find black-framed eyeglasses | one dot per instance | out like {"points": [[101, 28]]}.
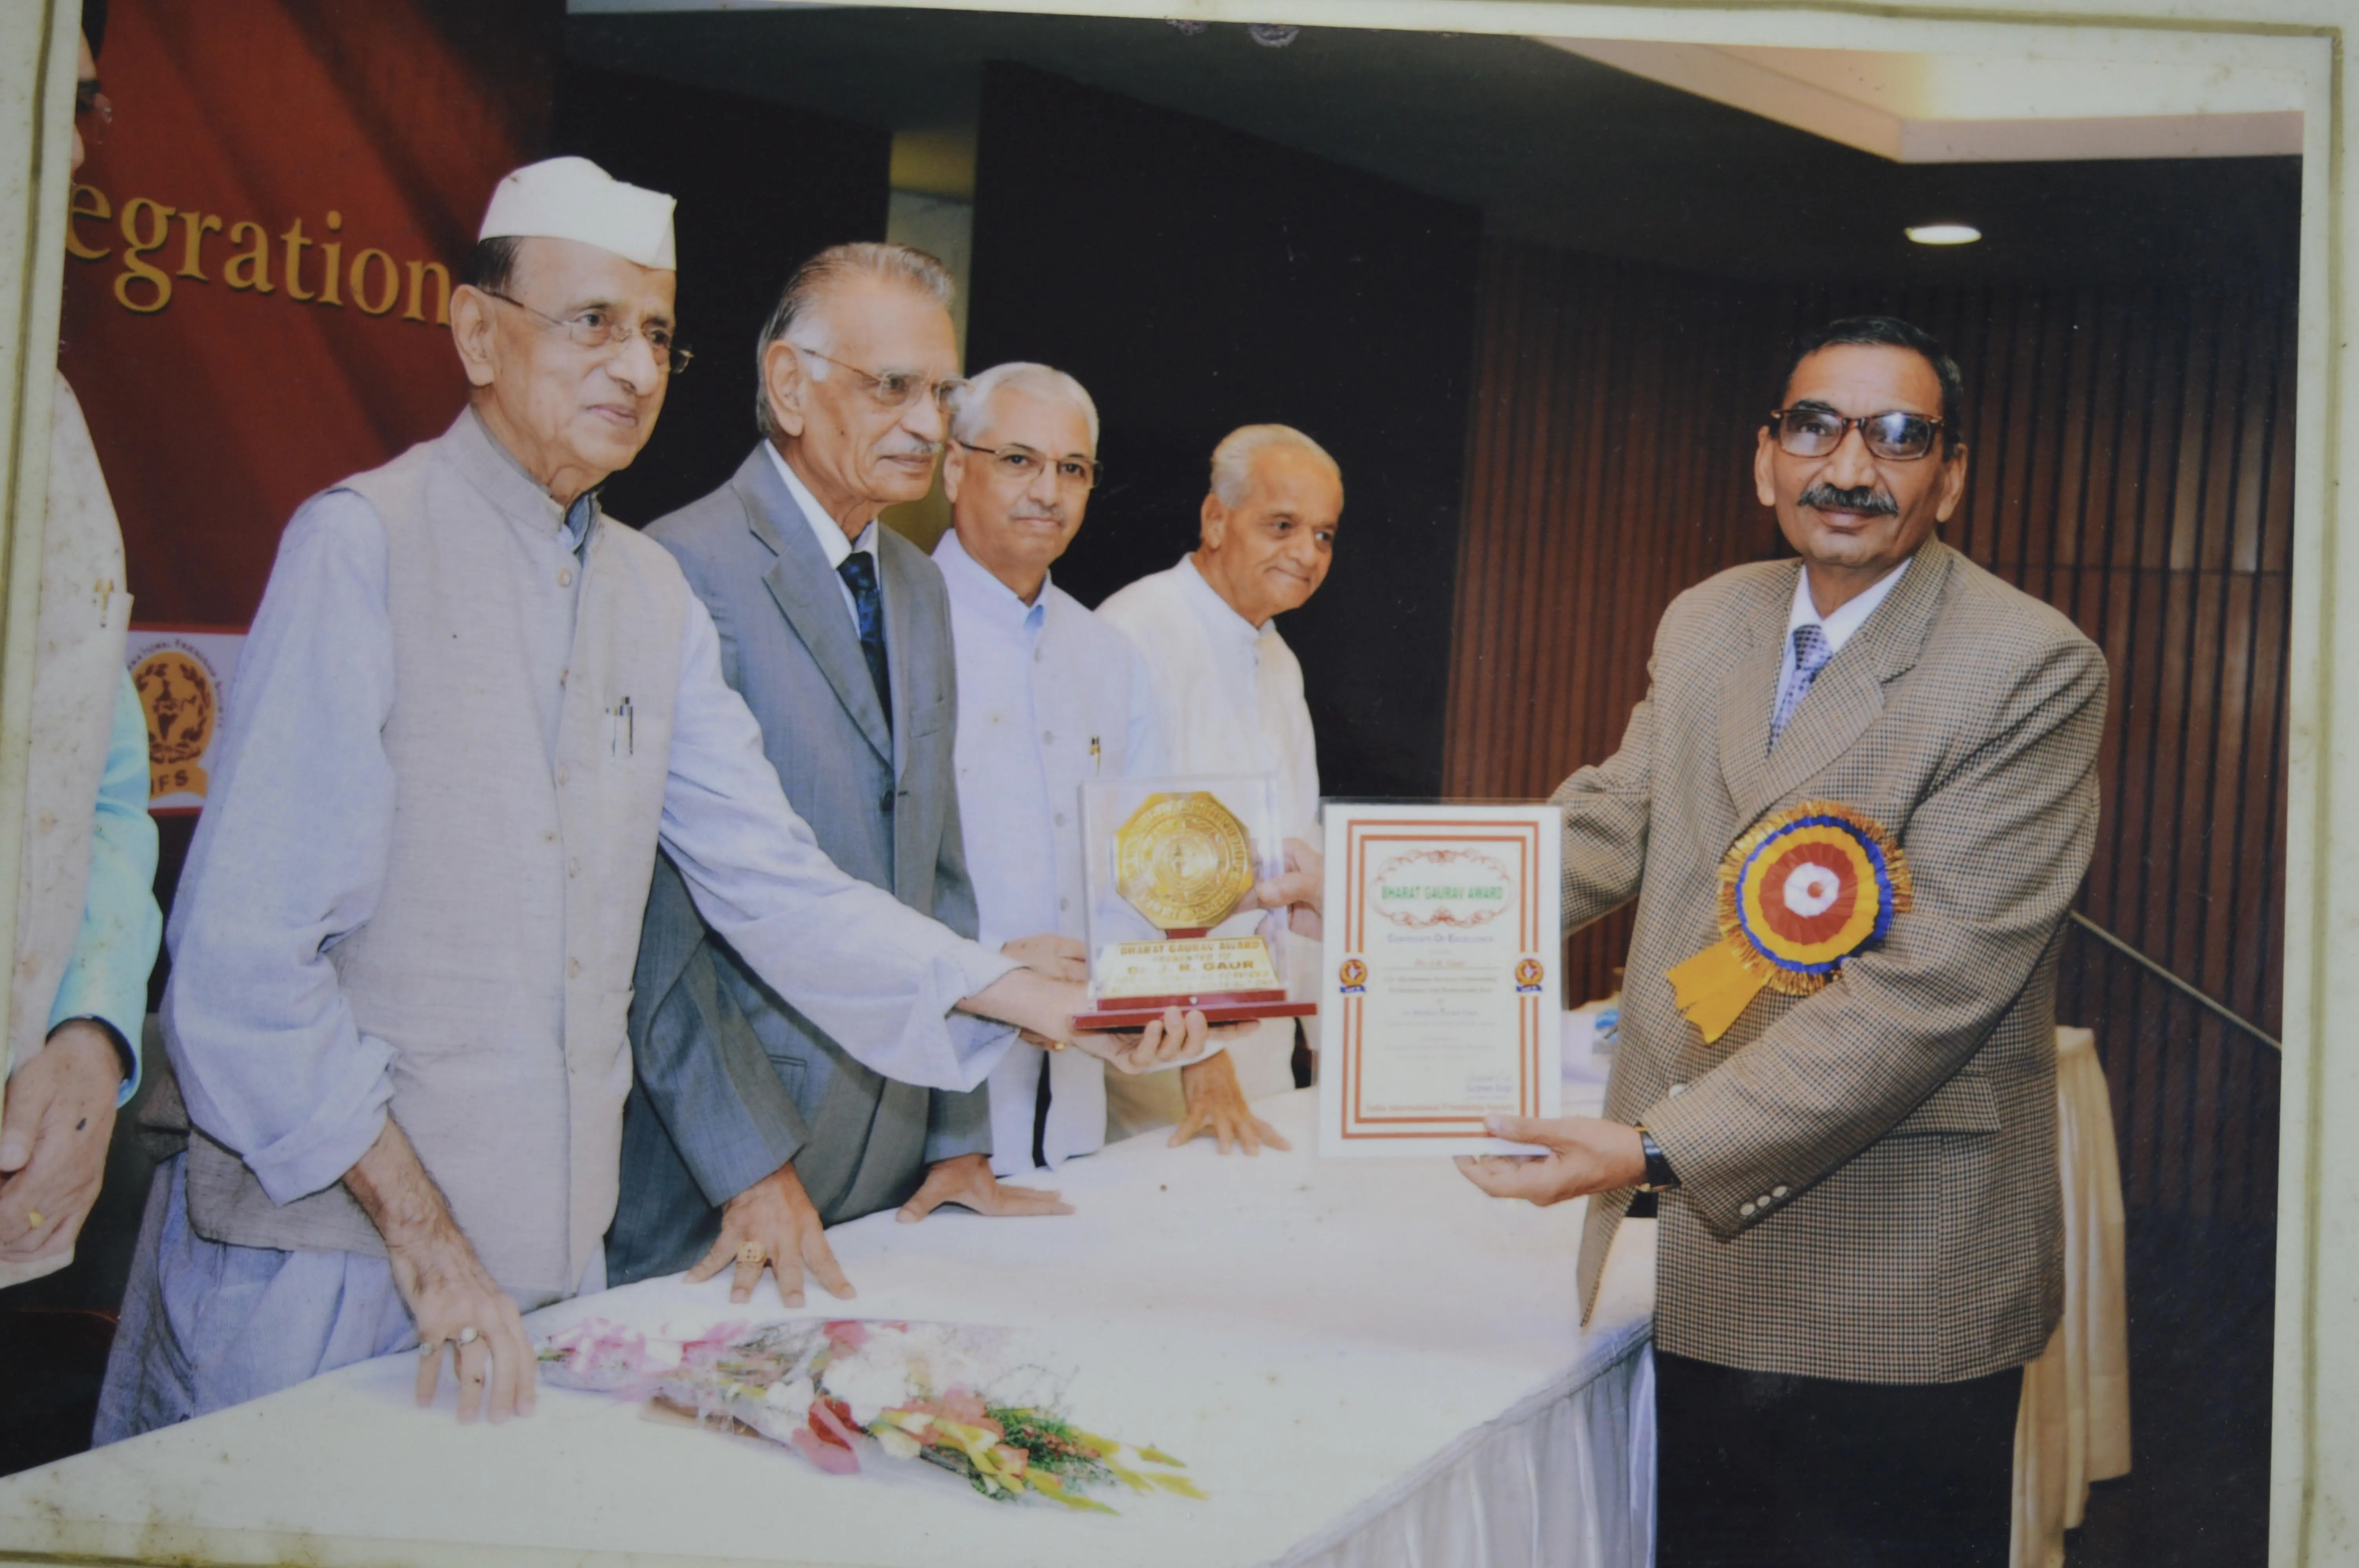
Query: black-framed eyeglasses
{"points": [[1895, 435], [596, 328], [94, 106], [1021, 465], [898, 388]]}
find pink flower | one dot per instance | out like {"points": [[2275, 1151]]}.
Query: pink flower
{"points": [[846, 1335]]}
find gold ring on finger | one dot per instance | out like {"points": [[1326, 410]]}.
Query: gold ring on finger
{"points": [[753, 1255], [469, 1335]]}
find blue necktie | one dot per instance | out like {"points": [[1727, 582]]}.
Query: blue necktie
{"points": [[858, 570], [1810, 656]]}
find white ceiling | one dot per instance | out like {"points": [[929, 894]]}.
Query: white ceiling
{"points": [[1930, 108]]}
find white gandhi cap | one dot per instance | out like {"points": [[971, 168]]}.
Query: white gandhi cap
{"points": [[573, 199]]}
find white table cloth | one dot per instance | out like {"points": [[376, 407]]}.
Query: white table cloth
{"points": [[1365, 1363], [2074, 1424]]}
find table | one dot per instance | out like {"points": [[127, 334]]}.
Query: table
{"points": [[2074, 1423], [1364, 1362]]}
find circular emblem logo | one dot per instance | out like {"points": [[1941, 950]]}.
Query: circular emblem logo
{"points": [[1354, 974], [1529, 973], [1814, 891], [177, 693], [1183, 860]]}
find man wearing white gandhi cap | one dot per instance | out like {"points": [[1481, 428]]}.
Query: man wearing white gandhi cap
{"points": [[471, 711]]}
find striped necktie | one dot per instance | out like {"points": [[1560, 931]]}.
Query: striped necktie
{"points": [[1810, 656]]}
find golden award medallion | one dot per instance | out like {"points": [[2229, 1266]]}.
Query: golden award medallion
{"points": [[1183, 860]]}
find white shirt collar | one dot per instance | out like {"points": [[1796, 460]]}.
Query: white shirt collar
{"points": [[1217, 613], [971, 585], [825, 529], [1848, 618]]}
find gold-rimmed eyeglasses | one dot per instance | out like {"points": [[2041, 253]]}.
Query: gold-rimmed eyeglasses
{"points": [[1021, 465], [1895, 435], [596, 328], [898, 388]]}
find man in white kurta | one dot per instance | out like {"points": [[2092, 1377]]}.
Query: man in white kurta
{"points": [[471, 708], [1228, 693]]}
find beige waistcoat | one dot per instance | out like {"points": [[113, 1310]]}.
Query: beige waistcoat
{"points": [[76, 673], [84, 617], [497, 964]]}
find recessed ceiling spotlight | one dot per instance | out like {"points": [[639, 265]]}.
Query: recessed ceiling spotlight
{"points": [[1945, 233]]}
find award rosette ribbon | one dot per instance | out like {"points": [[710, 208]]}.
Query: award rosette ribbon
{"points": [[1798, 895]]}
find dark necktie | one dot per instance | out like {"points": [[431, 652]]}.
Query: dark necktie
{"points": [[858, 570], [1810, 656]]}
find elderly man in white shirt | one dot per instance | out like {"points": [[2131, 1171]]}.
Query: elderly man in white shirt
{"points": [[1228, 696], [1049, 696]]}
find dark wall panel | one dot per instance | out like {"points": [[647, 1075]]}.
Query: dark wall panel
{"points": [[2130, 463], [760, 187], [1196, 279]]}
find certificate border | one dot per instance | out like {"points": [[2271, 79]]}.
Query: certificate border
{"points": [[1360, 835]]}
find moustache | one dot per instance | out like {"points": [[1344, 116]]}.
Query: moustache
{"points": [[1864, 499], [913, 449], [1039, 515]]}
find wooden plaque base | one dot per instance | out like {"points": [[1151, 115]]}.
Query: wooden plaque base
{"points": [[1126, 1013]]}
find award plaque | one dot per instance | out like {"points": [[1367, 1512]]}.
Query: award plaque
{"points": [[1439, 991], [1170, 861]]}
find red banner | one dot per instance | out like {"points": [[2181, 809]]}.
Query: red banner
{"points": [[261, 256]]}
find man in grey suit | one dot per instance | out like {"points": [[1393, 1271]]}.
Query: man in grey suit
{"points": [[749, 1128]]}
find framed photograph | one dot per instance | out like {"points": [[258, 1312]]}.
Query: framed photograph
{"points": [[1527, 276]]}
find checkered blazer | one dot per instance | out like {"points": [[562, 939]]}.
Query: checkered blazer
{"points": [[1868, 1176]]}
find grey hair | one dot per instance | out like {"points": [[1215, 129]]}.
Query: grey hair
{"points": [[970, 414], [799, 301], [1233, 460]]}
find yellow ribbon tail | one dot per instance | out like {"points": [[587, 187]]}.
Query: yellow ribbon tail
{"points": [[1714, 988]]}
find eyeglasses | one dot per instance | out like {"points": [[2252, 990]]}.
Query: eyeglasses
{"points": [[596, 328], [95, 106], [1021, 465], [1895, 435], [896, 389]]}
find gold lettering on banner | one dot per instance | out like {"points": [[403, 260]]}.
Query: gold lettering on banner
{"points": [[296, 245], [361, 288], [249, 268], [135, 269], [96, 206], [335, 254], [418, 271], [194, 225], [375, 276]]}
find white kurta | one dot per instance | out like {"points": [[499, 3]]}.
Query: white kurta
{"points": [[1050, 697], [1228, 699]]}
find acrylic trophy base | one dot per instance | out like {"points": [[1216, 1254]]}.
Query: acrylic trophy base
{"points": [[1229, 979]]}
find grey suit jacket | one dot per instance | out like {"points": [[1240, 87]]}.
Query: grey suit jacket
{"points": [[1868, 1176], [731, 1081]]}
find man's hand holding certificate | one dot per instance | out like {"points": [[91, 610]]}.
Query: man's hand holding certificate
{"points": [[1438, 999]]}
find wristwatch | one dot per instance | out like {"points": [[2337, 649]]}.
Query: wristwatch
{"points": [[1660, 1175]]}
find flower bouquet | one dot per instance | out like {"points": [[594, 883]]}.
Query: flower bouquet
{"points": [[939, 1392]]}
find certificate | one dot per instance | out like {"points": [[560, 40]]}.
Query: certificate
{"points": [[1438, 996]]}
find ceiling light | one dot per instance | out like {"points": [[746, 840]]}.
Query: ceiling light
{"points": [[1945, 233]]}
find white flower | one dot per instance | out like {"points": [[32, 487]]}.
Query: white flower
{"points": [[793, 1395], [899, 1445]]}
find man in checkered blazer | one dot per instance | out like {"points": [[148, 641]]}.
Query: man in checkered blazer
{"points": [[1860, 1236]]}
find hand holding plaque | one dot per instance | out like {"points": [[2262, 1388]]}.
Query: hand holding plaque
{"points": [[1170, 863]]}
